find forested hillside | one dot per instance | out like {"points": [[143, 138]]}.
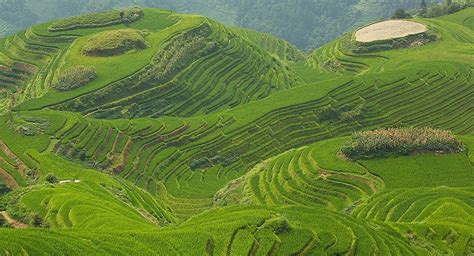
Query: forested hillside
{"points": [[309, 24], [305, 23]]}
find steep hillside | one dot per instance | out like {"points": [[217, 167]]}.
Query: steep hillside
{"points": [[152, 151], [186, 65]]}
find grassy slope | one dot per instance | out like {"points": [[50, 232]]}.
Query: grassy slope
{"points": [[116, 67], [274, 45], [317, 92], [251, 72], [333, 206], [237, 228], [424, 171]]}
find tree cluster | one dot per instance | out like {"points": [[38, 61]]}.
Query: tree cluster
{"points": [[75, 77], [400, 141], [445, 8]]}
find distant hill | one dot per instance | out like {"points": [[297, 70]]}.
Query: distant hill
{"points": [[307, 24]]}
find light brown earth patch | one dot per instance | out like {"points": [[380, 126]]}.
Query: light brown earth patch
{"points": [[20, 165], [14, 223], [389, 30], [8, 179]]}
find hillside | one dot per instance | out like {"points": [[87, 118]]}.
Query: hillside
{"points": [[202, 67], [307, 24], [177, 135]]}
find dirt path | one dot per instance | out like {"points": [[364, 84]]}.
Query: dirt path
{"points": [[69, 181], [388, 30], [11, 221], [8, 179], [20, 165]]}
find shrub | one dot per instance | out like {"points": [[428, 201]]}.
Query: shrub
{"points": [[401, 14], [200, 163], [27, 126], [114, 42], [448, 7], [327, 113], [178, 53], [332, 65], [279, 225], [51, 178], [95, 20], [3, 188], [370, 144], [75, 77], [36, 220]]}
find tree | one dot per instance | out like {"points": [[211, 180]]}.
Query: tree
{"points": [[51, 178], [469, 3], [424, 8], [36, 220], [436, 11], [4, 189], [401, 14], [423, 5], [453, 7]]}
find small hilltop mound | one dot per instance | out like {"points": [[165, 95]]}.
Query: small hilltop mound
{"points": [[403, 141], [390, 29], [114, 42], [97, 20]]}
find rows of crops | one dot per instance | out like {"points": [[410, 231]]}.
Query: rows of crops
{"points": [[12, 169], [224, 141], [296, 178], [355, 105], [247, 230], [232, 72]]}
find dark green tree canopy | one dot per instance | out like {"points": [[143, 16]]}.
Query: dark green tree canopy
{"points": [[401, 14]]}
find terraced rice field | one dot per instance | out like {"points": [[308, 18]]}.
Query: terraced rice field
{"points": [[224, 141], [223, 76]]}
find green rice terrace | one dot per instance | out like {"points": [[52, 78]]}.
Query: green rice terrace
{"points": [[147, 132]]}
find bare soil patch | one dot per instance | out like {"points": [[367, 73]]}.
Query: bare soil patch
{"points": [[389, 30], [20, 165], [8, 179], [14, 223]]}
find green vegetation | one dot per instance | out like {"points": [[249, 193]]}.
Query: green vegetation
{"points": [[393, 141], [274, 45], [4, 188], [94, 20], [181, 59], [401, 14], [75, 77], [446, 7], [51, 178], [306, 24], [224, 141], [114, 42], [396, 43], [423, 170]]}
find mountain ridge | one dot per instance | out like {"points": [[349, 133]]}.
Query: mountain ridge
{"points": [[309, 24]]}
